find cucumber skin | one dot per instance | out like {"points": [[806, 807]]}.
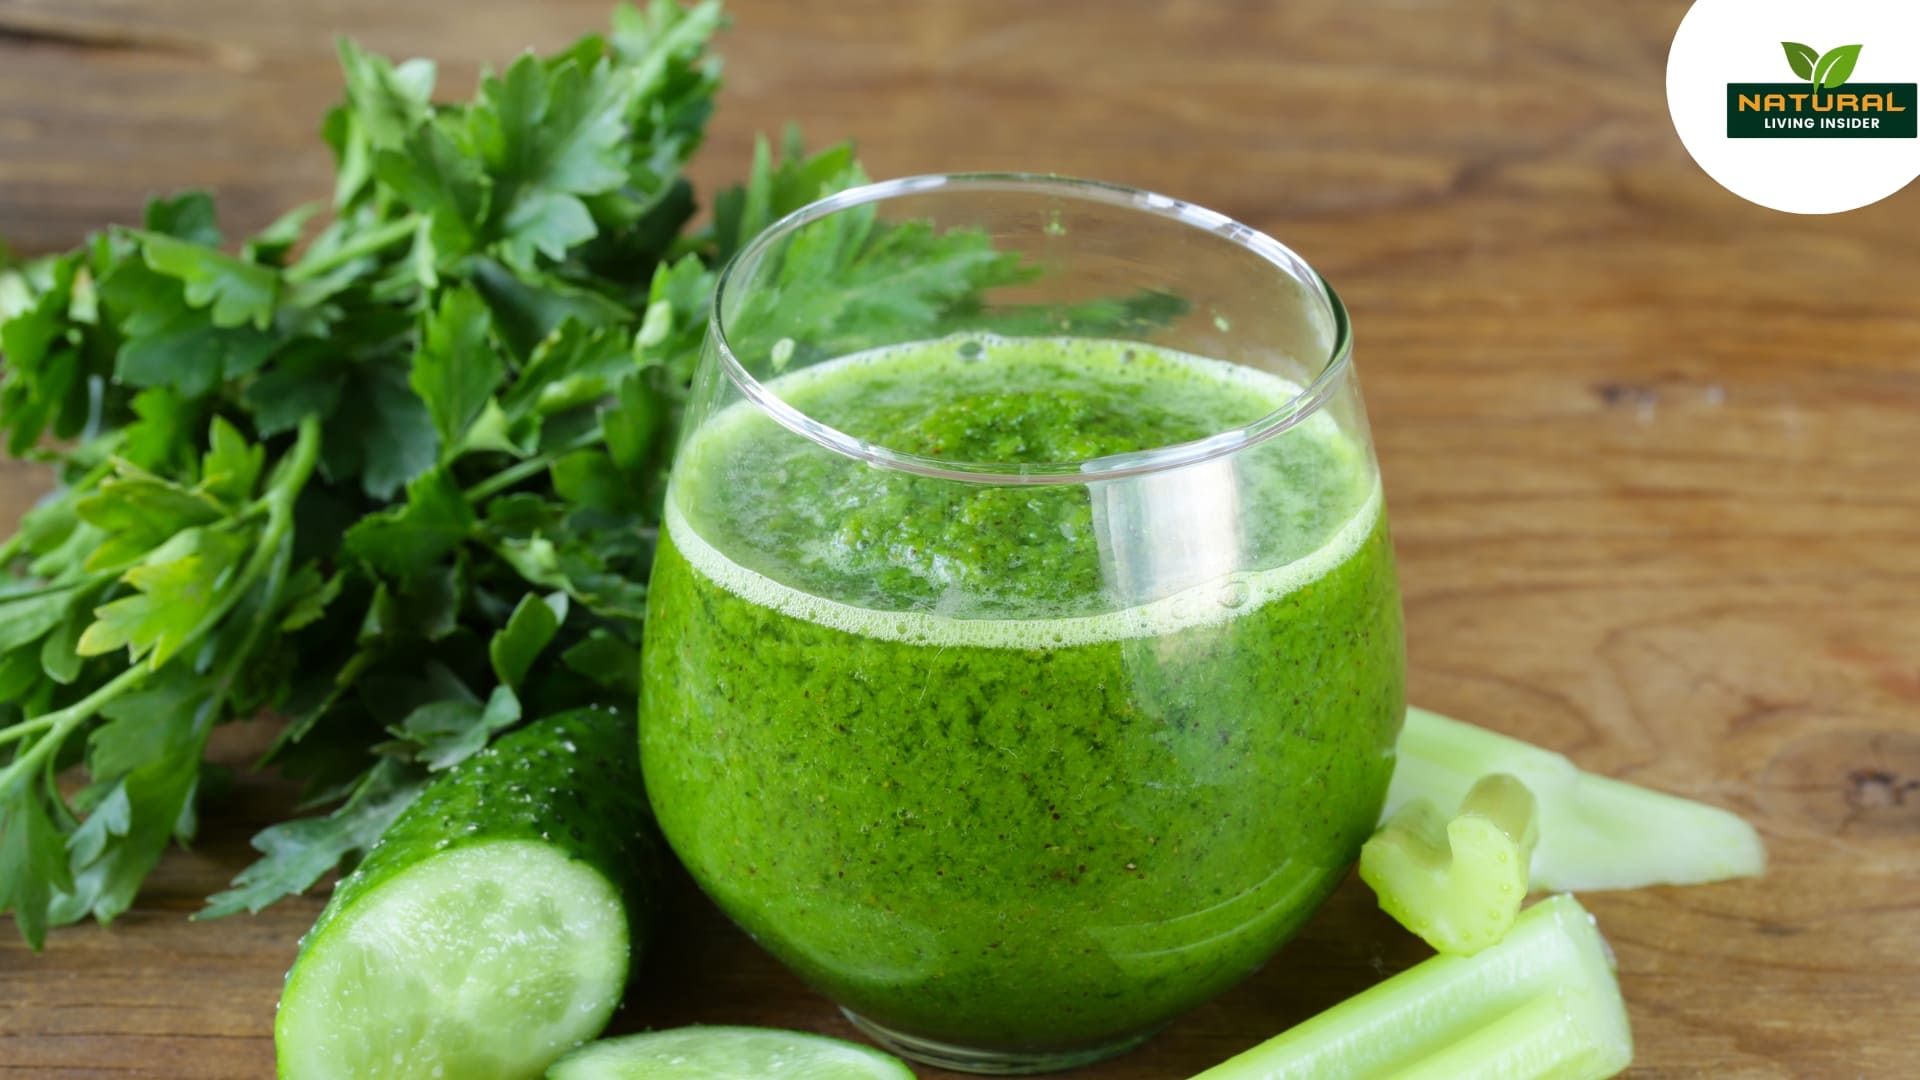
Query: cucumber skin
{"points": [[571, 781]]}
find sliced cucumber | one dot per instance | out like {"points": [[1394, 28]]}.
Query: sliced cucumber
{"points": [[728, 1053], [489, 961], [1595, 832], [493, 928]]}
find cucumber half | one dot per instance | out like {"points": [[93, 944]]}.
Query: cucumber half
{"points": [[493, 928], [728, 1053], [494, 959]]}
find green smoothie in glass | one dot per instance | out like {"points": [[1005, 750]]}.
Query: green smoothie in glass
{"points": [[1017, 769]]}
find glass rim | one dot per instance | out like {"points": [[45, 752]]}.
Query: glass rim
{"points": [[1132, 463]]}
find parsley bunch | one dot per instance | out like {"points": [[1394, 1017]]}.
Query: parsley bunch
{"points": [[394, 478]]}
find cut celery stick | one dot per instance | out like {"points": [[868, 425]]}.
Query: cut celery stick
{"points": [[1548, 1038], [1540, 1005], [1458, 884], [1595, 832]]}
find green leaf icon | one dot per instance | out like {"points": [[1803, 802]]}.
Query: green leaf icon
{"points": [[1801, 58], [1836, 65]]}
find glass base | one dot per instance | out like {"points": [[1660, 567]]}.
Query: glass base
{"points": [[990, 1062]]}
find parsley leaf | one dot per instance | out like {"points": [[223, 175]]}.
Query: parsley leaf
{"points": [[534, 622], [168, 341], [529, 306], [237, 292], [449, 731], [137, 513], [385, 100], [385, 436], [146, 759], [231, 465], [45, 384], [158, 438], [295, 854], [171, 599], [302, 382], [436, 174], [576, 364], [406, 541], [456, 370], [188, 216], [33, 863], [24, 619], [607, 659], [549, 135]]}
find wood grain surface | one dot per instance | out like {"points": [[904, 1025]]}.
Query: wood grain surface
{"points": [[1652, 453]]}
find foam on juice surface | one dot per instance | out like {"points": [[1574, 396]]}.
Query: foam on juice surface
{"points": [[1211, 601]]}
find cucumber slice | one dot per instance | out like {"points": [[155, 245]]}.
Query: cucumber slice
{"points": [[491, 960], [727, 1053], [1595, 832], [1457, 883], [492, 929], [1542, 1004]]}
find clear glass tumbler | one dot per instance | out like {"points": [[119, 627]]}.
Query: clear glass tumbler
{"points": [[1024, 659]]}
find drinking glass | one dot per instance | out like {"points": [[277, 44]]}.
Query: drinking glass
{"points": [[1024, 658]]}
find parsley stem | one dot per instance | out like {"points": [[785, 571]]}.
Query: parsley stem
{"points": [[62, 722], [513, 474], [26, 727], [11, 595], [367, 243], [263, 616], [290, 477], [278, 538]]}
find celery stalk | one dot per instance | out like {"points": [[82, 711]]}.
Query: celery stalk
{"points": [[1457, 883], [1540, 1005], [1595, 832]]}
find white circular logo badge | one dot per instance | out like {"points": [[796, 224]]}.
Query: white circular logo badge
{"points": [[1807, 108]]}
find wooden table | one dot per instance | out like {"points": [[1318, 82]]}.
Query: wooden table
{"points": [[1653, 454]]}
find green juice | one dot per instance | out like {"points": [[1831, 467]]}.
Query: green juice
{"points": [[949, 754]]}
